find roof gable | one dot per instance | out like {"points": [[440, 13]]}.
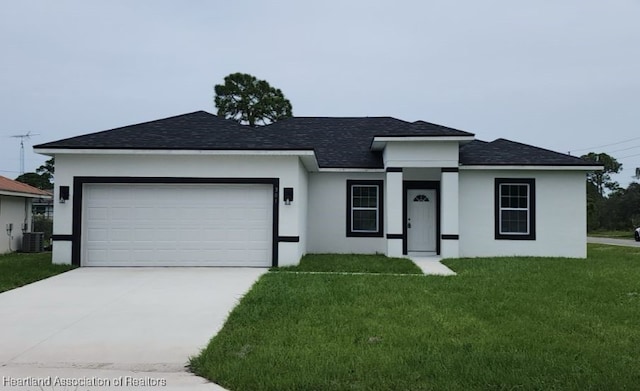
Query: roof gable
{"points": [[340, 142], [424, 128]]}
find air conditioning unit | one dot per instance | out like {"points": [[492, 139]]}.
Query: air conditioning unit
{"points": [[33, 242]]}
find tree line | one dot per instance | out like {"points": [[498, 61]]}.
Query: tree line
{"points": [[610, 206]]}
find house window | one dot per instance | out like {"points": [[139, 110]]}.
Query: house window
{"points": [[364, 208], [515, 208]]}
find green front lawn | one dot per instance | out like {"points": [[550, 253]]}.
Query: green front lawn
{"points": [[353, 263], [18, 269], [502, 323]]}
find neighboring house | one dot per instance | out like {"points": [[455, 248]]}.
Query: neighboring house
{"points": [[197, 189], [15, 212]]}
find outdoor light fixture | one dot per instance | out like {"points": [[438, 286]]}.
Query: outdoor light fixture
{"points": [[9, 228], [288, 195], [64, 194]]}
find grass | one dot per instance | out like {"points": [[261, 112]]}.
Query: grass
{"points": [[501, 323], [613, 234], [353, 263], [18, 269]]}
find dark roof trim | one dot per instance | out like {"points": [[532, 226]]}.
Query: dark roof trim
{"points": [[44, 147], [530, 165]]}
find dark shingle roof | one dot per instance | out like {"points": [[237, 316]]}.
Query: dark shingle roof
{"points": [[337, 142], [505, 152], [193, 131], [345, 142]]}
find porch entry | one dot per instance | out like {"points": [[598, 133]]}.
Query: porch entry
{"points": [[421, 224]]}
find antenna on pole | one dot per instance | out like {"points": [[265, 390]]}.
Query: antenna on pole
{"points": [[22, 137]]}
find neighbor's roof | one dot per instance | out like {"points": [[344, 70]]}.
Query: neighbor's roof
{"points": [[338, 142], [503, 152], [15, 188]]}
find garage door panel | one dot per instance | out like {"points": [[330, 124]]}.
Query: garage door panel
{"points": [[141, 213], [189, 235], [141, 235], [168, 255], [213, 213], [191, 214], [97, 213], [98, 255], [96, 234], [177, 225], [118, 255]]}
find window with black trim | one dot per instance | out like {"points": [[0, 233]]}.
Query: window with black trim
{"points": [[515, 209], [364, 208]]}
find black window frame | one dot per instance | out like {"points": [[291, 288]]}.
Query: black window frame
{"points": [[531, 208], [380, 208]]}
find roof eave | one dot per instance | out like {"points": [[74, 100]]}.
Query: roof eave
{"points": [[541, 167], [169, 151], [351, 169], [380, 142], [307, 156], [24, 195]]}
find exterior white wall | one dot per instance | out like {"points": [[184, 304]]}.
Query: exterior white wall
{"points": [[421, 154], [328, 212], [291, 252], [393, 200], [61, 253], [449, 215], [286, 168], [16, 211], [302, 198], [560, 215], [318, 213]]}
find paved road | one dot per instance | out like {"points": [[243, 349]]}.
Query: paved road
{"points": [[139, 325], [615, 242]]}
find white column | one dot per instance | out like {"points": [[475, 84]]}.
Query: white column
{"points": [[449, 213], [393, 212]]}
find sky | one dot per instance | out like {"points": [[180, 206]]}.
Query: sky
{"points": [[559, 74]]}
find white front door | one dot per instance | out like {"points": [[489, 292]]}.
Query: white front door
{"points": [[421, 220]]}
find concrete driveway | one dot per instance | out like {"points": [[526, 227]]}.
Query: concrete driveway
{"points": [[139, 325], [614, 242]]}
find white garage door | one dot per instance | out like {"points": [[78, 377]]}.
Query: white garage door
{"points": [[177, 225]]}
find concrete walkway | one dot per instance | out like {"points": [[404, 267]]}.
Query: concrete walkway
{"points": [[430, 265], [139, 325], [613, 242]]}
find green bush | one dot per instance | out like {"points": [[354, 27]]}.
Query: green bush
{"points": [[43, 224]]}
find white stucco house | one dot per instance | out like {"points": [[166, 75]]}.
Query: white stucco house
{"points": [[199, 190], [15, 212]]}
